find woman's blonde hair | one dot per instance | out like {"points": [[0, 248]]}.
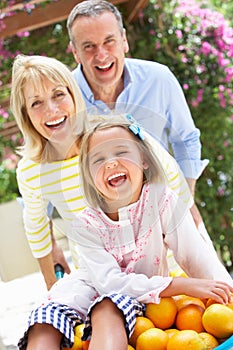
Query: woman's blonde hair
{"points": [[35, 68], [153, 173]]}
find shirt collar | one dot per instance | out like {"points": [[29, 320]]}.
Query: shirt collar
{"points": [[128, 78], [84, 84]]}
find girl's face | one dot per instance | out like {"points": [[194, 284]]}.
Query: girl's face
{"points": [[51, 109], [116, 165]]}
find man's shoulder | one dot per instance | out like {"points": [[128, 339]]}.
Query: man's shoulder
{"points": [[76, 72]]}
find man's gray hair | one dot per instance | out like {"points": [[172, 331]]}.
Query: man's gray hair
{"points": [[92, 8]]}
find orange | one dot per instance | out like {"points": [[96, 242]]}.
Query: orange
{"points": [[190, 317], [163, 314], [204, 300], [153, 338], [78, 330], [209, 340], [85, 344], [141, 325], [210, 302], [171, 331], [218, 320], [186, 339], [230, 305], [184, 300], [77, 344]]}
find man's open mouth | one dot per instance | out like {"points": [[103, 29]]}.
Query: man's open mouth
{"points": [[105, 68]]}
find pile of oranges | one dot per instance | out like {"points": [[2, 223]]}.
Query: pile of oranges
{"points": [[177, 323], [181, 323]]}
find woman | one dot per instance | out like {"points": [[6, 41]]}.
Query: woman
{"points": [[50, 112]]}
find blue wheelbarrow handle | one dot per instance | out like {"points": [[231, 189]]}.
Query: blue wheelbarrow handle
{"points": [[59, 271], [227, 345]]}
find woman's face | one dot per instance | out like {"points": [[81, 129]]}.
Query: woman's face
{"points": [[116, 165], [51, 109]]}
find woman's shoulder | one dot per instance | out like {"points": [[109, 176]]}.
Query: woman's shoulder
{"points": [[25, 162]]}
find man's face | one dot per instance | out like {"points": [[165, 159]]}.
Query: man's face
{"points": [[100, 48]]}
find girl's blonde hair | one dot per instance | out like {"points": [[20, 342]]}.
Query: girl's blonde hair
{"points": [[35, 69], [153, 173]]}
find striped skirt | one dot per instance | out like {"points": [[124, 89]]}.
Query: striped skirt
{"points": [[65, 318]]}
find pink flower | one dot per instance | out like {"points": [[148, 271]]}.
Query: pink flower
{"points": [[220, 192], [221, 88], [157, 45], [23, 34], [194, 103], [206, 48], [179, 34], [220, 157]]}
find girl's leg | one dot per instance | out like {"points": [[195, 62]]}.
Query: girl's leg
{"points": [[43, 336], [108, 327]]}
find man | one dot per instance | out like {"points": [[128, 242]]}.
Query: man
{"points": [[147, 90]]}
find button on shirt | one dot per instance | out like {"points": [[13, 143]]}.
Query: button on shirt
{"points": [[153, 96]]}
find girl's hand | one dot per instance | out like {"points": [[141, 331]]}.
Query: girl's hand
{"points": [[200, 288]]}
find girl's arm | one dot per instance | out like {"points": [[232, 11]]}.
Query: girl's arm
{"points": [[199, 288]]}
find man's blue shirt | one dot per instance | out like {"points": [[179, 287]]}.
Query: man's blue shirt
{"points": [[153, 96]]}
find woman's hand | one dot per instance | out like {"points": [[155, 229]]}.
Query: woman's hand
{"points": [[57, 252], [59, 258]]}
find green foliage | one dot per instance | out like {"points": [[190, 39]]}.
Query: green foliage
{"points": [[8, 184]]}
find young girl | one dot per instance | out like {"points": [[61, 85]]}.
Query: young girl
{"points": [[123, 236]]}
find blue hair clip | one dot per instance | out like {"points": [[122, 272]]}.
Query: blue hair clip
{"points": [[135, 128]]}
